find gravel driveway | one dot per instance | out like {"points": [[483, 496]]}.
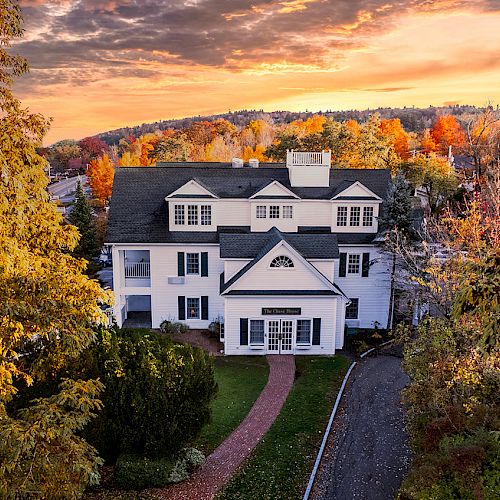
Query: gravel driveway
{"points": [[367, 454]]}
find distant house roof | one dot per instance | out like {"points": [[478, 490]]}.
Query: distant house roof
{"points": [[138, 212]]}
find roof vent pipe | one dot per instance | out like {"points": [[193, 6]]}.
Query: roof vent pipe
{"points": [[253, 162], [237, 163]]}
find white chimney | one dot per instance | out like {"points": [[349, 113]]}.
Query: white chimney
{"points": [[253, 162], [237, 163]]}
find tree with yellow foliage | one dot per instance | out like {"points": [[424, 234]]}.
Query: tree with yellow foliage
{"points": [[100, 174], [48, 307]]}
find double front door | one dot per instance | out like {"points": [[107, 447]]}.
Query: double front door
{"points": [[279, 336]]}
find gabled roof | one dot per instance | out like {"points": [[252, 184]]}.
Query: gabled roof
{"points": [[138, 212], [274, 238], [248, 246], [203, 191], [354, 190], [284, 192]]}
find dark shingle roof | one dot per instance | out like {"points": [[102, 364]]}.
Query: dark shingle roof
{"points": [[357, 238], [138, 212], [248, 246], [306, 244]]}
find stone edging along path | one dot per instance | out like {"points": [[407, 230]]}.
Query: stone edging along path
{"points": [[234, 450]]}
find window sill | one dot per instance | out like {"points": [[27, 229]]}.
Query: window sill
{"points": [[256, 346], [303, 346]]}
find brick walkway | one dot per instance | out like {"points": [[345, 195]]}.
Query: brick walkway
{"points": [[228, 457]]}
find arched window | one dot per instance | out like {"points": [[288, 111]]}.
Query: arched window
{"points": [[281, 261]]}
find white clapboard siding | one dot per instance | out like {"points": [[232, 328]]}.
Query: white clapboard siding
{"points": [[262, 277], [374, 291], [251, 307]]}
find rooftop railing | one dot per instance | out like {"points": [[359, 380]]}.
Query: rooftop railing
{"points": [[308, 158]]}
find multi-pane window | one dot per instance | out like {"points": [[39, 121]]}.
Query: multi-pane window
{"points": [[192, 215], [274, 212], [303, 331], [287, 212], [206, 215], [368, 216], [192, 263], [192, 308], [281, 261], [351, 311], [257, 331], [179, 214], [261, 211], [353, 263], [355, 214], [341, 216]]}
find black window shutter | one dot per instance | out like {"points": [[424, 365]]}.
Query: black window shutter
{"points": [[180, 264], [181, 302], [343, 265], [366, 265], [316, 331], [243, 331], [204, 307], [204, 263]]}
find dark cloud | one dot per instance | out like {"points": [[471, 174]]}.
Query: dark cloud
{"points": [[114, 34]]}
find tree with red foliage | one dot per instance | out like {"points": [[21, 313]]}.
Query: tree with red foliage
{"points": [[92, 148], [447, 132]]}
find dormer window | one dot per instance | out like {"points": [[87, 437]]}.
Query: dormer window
{"points": [[341, 216], [274, 212], [282, 261], [179, 214], [355, 215], [368, 216], [261, 212], [192, 215], [206, 215]]}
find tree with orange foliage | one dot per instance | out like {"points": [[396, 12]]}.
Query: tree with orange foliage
{"points": [[144, 159], [427, 142], [101, 174], [447, 132], [397, 136], [257, 153]]}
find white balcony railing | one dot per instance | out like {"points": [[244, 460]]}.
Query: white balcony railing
{"points": [[304, 158], [137, 270]]}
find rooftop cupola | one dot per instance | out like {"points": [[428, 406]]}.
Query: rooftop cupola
{"points": [[308, 169]]}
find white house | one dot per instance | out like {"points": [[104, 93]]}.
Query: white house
{"points": [[286, 255]]}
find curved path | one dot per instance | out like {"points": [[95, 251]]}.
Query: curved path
{"points": [[227, 458], [367, 454]]}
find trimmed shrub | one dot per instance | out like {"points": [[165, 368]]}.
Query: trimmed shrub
{"points": [[157, 396], [168, 326], [138, 472]]}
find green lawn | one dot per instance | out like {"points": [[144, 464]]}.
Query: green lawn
{"points": [[281, 463], [241, 380]]}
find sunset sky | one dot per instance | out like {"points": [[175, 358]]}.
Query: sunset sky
{"points": [[97, 65]]}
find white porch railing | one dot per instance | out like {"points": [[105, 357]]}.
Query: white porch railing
{"points": [[304, 158], [137, 270]]}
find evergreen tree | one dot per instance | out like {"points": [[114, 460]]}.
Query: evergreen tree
{"points": [[397, 214], [81, 217], [48, 308]]}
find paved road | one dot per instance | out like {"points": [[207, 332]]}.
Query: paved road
{"points": [[367, 455], [66, 187]]}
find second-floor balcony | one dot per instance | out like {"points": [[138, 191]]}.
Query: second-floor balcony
{"points": [[137, 270]]}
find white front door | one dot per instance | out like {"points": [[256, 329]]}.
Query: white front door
{"points": [[279, 336]]}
